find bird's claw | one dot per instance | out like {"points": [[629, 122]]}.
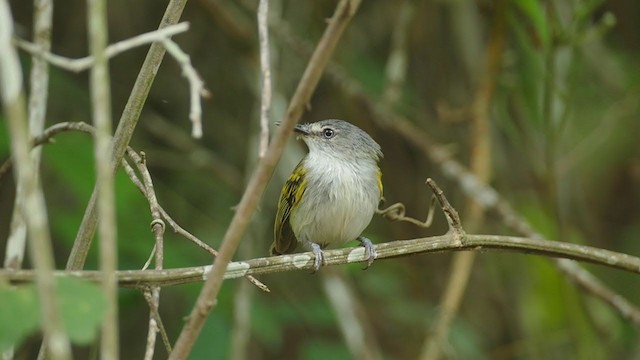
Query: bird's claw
{"points": [[319, 257], [369, 251]]}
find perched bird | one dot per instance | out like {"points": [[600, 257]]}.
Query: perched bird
{"points": [[332, 194]]}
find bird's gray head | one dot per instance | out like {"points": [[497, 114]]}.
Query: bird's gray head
{"points": [[338, 138]]}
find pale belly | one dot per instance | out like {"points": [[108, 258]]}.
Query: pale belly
{"points": [[336, 216]]}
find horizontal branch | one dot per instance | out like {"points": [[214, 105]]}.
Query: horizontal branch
{"points": [[304, 261], [81, 64]]}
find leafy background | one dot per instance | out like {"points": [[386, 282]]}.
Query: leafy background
{"points": [[564, 151]]}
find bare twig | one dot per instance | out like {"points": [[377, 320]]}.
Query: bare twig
{"points": [[101, 104], [40, 249], [124, 131], [265, 68], [157, 325], [387, 250], [397, 211], [451, 214], [82, 64], [196, 85], [39, 81], [152, 295], [174, 225], [206, 300]]}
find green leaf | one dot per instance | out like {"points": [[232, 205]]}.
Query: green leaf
{"points": [[324, 349], [534, 10], [19, 314], [83, 306]]}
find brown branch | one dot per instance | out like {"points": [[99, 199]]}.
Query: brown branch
{"points": [[207, 298]]}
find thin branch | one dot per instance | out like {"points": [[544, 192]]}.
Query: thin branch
{"points": [[158, 324], [397, 212], [155, 326], [157, 228], [265, 68], [40, 249], [124, 131], [39, 84], [144, 188], [206, 300], [101, 104], [82, 64], [196, 86], [387, 250]]}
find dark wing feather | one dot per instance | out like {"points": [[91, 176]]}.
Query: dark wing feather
{"points": [[292, 191]]}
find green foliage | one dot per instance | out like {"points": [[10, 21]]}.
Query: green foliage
{"points": [[82, 307], [19, 314], [320, 350]]}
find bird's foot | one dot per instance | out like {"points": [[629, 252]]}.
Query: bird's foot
{"points": [[369, 251], [319, 257]]}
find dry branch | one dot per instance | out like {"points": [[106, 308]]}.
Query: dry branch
{"points": [[82, 64], [387, 250]]}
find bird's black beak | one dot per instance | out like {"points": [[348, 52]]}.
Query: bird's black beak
{"points": [[302, 129]]}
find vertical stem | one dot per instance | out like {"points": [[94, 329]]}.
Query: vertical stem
{"points": [[101, 101], [40, 248], [265, 67], [39, 80], [124, 131]]}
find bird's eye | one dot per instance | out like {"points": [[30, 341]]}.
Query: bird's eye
{"points": [[328, 133]]}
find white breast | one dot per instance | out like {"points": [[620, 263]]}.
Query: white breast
{"points": [[338, 204]]}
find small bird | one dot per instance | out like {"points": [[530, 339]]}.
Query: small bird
{"points": [[332, 194]]}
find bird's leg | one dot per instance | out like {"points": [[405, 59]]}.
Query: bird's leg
{"points": [[319, 255], [369, 251]]}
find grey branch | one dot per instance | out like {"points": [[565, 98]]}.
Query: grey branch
{"points": [[82, 64], [387, 250]]}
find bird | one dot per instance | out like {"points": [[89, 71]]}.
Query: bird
{"points": [[332, 194]]}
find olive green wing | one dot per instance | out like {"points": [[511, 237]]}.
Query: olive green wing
{"points": [[292, 191], [380, 187]]}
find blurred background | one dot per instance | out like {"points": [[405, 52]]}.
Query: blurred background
{"points": [[539, 98]]}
